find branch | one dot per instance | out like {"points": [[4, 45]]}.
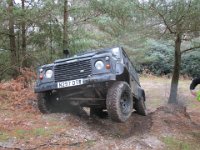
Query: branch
{"points": [[163, 18], [5, 70], [163, 33], [191, 30], [2, 49], [5, 33], [190, 49], [87, 19], [16, 148]]}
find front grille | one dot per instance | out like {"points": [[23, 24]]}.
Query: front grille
{"points": [[72, 71]]}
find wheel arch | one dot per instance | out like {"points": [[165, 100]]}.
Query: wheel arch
{"points": [[125, 76], [142, 93]]}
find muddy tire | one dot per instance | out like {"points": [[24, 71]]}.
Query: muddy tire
{"points": [[43, 104], [119, 101], [48, 103], [140, 106]]}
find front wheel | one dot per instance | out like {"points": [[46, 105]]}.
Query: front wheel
{"points": [[119, 101]]}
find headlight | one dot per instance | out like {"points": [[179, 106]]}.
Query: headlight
{"points": [[49, 74], [99, 65]]}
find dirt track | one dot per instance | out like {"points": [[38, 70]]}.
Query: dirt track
{"points": [[66, 131], [167, 127]]}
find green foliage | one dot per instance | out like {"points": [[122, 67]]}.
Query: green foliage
{"points": [[190, 64], [156, 57], [3, 136]]}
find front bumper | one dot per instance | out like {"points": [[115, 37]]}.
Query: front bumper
{"points": [[90, 80]]}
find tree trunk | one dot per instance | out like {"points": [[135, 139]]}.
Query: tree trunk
{"points": [[24, 57], [65, 25], [13, 51], [176, 71]]}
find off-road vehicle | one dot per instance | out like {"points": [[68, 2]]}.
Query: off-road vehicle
{"points": [[103, 80]]}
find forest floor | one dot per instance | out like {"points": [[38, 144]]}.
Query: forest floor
{"points": [[23, 127]]}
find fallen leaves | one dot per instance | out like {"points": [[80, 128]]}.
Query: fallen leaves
{"points": [[18, 93]]}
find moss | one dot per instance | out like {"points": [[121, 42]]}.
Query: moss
{"points": [[3, 136], [176, 144]]}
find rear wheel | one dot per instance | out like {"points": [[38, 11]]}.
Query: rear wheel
{"points": [[44, 103], [119, 101], [95, 111], [140, 106], [49, 102]]}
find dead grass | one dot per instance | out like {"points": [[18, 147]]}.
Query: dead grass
{"points": [[27, 128], [157, 92]]}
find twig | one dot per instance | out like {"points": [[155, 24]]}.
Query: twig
{"points": [[2, 72], [53, 144], [5, 33], [189, 49], [86, 19], [13, 148], [164, 20]]}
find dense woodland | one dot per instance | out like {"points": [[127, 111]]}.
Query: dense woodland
{"points": [[161, 37]]}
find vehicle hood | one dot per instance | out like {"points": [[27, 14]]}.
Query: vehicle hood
{"points": [[89, 54]]}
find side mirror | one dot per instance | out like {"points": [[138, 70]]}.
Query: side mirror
{"points": [[66, 52]]}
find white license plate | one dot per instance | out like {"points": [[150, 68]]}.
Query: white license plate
{"points": [[69, 83]]}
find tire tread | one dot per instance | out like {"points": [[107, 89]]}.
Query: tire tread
{"points": [[42, 105], [114, 93]]}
